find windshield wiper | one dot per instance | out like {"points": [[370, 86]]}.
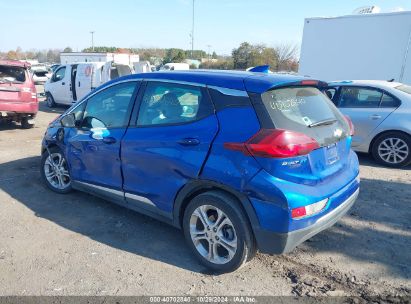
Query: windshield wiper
{"points": [[324, 122]]}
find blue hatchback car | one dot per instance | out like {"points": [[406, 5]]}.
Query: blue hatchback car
{"points": [[241, 161]]}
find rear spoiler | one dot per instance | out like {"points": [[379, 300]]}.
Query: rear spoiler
{"points": [[308, 82], [260, 69]]}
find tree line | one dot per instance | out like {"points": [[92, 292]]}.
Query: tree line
{"points": [[282, 57]]}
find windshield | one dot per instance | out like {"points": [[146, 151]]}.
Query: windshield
{"points": [[306, 110], [404, 88], [12, 74]]}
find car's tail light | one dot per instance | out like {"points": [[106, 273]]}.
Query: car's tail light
{"points": [[304, 211], [309, 82], [276, 143], [350, 124]]}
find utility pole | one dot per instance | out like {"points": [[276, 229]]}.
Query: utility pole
{"points": [[192, 34], [209, 52], [92, 40]]}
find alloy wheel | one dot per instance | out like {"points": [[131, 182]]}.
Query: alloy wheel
{"points": [[393, 150], [56, 171], [213, 234]]}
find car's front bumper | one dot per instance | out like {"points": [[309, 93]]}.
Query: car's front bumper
{"points": [[277, 243]]}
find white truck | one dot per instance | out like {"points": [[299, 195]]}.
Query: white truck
{"points": [[71, 82], [373, 46]]}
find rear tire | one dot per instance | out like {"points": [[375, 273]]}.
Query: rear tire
{"points": [[218, 232], [25, 123], [392, 149], [50, 100]]}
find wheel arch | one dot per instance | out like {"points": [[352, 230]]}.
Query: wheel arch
{"points": [[382, 133], [49, 146], [194, 188]]}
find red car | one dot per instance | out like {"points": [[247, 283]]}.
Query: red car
{"points": [[18, 95]]}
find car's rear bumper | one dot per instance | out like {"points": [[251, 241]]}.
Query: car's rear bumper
{"points": [[29, 107], [277, 243]]}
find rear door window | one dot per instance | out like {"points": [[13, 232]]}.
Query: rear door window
{"points": [[388, 101], [172, 103], [306, 110], [357, 97]]}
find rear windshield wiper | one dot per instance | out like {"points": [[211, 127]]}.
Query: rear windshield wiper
{"points": [[324, 122]]}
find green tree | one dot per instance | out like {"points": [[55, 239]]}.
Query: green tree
{"points": [[68, 49], [174, 55], [101, 49], [248, 55], [242, 56], [214, 55], [221, 64]]}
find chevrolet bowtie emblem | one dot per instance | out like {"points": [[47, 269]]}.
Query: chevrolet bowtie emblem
{"points": [[338, 132]]}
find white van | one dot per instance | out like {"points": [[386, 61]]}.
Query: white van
{"points": [[142, 67], [172, 66], [71, 82]]}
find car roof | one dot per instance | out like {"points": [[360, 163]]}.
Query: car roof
{"points": [[369, 83], [238, 80], [14, 63]]}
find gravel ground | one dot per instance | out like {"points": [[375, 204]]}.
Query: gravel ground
{"points": [[77, 244]]}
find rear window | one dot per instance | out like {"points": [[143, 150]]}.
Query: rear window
{"points": [[404, 88], [306, 110], [12, 74]]}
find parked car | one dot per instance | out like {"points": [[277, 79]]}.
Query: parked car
{"points": [[40, 74], [18, 96], [239, 160], [71, 82], [381, 113]]}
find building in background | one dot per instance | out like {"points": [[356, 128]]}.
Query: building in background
{"points": [[119, 58]]}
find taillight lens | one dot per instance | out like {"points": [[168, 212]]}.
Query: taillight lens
{"points": [[349, 121], [309, 82], [304, 211], [276, 143]]}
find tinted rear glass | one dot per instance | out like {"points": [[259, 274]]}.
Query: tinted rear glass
{"points": [[306, 110], [12, 74]]}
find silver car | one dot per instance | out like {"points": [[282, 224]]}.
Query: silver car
{"points": [[381, 114]]}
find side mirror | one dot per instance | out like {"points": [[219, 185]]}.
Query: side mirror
{"points": [[68, 121]]}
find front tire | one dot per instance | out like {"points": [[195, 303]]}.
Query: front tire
{"points": [[50, 100], [218, 232], [55, 172], [392, 149]]}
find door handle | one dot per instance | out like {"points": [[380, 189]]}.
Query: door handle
{"points": [[109, 140], [189, 142], [375, 116], [63, 83]]}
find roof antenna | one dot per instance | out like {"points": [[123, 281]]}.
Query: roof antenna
{"points": [[391, 80], [260, 69]]}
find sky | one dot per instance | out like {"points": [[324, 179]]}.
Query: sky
{"points": [[220, 24]]}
